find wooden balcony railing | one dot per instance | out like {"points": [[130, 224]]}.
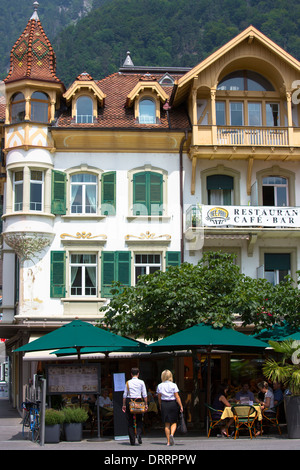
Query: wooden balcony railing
{"points": [[260, 136]]}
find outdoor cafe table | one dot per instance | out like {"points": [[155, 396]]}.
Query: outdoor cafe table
{"points": [[227, 413]]}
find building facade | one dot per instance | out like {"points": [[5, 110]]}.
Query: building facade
{"points": [[110, 179]]}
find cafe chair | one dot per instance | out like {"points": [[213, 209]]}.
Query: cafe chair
{"points": [[271, 417], [244, 417], [106, 421], [212, 422]]}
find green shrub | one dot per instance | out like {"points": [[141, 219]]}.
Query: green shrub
{"points": [[75, 415], [53, 417]]}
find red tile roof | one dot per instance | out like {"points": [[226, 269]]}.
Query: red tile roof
{"points": [[32, 56], [115, 114]]}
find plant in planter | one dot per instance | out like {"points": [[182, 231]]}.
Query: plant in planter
{"points": [[73, 421], [53, 421], [287, 371]]}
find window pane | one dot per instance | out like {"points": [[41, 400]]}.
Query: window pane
{"points": [[35, 197], [236, 114], [220, 113], [281, 194], [19, 197], [147, 112], [84, 110], [76, 199], [90, 201], [254, 114], [272, 114]]}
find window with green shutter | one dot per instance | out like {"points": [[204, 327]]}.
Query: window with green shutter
{"points": [[108, 193], [147, 193], [173, 258], [58, 274], [115, 267], [58, 203]]}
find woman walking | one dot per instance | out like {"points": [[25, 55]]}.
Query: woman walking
{"points": [[169, 402]]}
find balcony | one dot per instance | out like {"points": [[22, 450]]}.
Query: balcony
{"points": [[249, 136]]}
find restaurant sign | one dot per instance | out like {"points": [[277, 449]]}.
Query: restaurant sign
{"points": [[250, 216]]}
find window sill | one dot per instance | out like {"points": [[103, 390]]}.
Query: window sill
{"points": [[84, 216], [163, 218], [83, 299]]}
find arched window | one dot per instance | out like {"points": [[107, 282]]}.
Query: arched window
{"points": [[17, 108], [84, 110], [83, 193], [219, 189], [147, 114], [245, 80], [39, 107], [275, 191]]}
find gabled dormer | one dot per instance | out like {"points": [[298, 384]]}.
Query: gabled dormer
{"points": [[85, 96], [147, 97]]}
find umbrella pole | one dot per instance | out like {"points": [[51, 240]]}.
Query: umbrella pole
{"points": [[208, 375], [78, 352]]}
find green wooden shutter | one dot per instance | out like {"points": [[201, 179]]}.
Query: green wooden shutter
{"points": [[58, 203], [108, 272], [115, 267], [58, 274], [108, 192], [155, 188], [123, 267], [173, 258], [140, 206]]}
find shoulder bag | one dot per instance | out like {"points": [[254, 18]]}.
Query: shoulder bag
{"points": [[136, 407]]}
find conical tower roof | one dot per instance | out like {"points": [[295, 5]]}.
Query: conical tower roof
{"points": [[32, 56]]}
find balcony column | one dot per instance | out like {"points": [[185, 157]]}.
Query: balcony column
{"points": [[213, 116], [289, 116], [194, 117]]}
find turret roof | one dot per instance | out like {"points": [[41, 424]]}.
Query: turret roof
{"points": [[32, 56]]}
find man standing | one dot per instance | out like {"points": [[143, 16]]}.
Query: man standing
{"points": [[134, 389]]}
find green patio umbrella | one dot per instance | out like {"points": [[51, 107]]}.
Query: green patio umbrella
{"points": [[78, 335], [138, 347], [276, 333], [207, 337]]}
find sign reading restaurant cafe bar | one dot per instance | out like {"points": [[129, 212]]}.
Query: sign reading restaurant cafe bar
{"points": [[250, 216]]}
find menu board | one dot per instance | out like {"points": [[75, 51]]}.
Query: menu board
{"points": [[73, 378]]}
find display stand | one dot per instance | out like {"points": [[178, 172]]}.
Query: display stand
{"points": [[120, 419]]}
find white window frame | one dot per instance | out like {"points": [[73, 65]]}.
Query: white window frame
{"points": [[36, 182], [83, 267], [15, 185], [84, 185], [147, 265]]}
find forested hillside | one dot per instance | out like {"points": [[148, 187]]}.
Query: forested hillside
{"points": [[94, 35], [168, 32]]}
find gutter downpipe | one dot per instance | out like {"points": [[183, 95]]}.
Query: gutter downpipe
{"points": [[183, 141]]}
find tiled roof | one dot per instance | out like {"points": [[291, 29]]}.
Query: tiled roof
{"points": [[115, 114], [32, 56]]}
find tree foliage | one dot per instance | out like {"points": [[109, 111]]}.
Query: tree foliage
{"points": [[213, 291]]}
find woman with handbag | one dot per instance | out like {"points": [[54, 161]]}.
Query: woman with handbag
{"points": [[134, 394], [170, 403]]}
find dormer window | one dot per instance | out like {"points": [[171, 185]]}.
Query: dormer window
{"points": [[39, 107], [147, 111], [84, 110], [17, 108]]}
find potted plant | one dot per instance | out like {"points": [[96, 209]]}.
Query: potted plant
{"points": [[53, 421], [73, 421], [287, 371]]}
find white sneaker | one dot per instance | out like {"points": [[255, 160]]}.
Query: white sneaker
{"points": [[172, 442]]}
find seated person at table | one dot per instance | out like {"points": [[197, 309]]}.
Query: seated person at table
{"points": [[278, 394], [268, 401], [104, 400], [219, 403], [245, 395]]}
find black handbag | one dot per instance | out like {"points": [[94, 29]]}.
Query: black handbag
{"points": [[181, 424]]}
